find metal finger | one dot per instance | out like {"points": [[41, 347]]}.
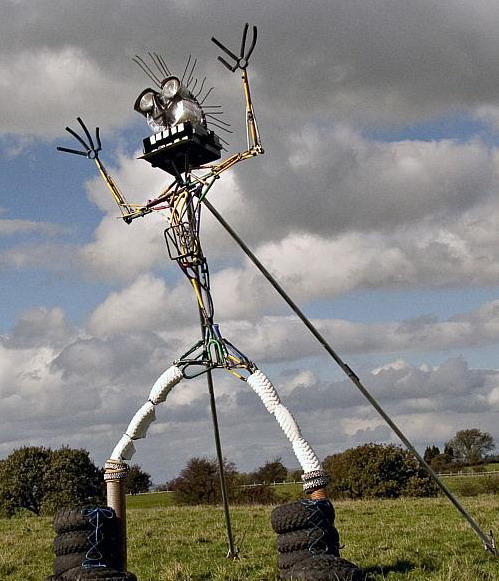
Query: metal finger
{"points": [[87, 133], [243, 40], [97, 137], [75, 151], [230, 67], [76, 136], [253, 44], [224, 48]]}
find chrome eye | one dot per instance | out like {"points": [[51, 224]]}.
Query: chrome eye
{"points": [[170, 88], [146, 102]]}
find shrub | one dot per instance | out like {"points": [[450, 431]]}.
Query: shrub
{"points": [[261, 494], [199, 482], [377, 471]]}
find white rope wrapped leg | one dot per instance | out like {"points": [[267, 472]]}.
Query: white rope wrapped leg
{"points": [[138, 426], [268, 394]]}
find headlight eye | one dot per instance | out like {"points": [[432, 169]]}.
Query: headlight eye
{"points": [[170, 87], [146, 103]]}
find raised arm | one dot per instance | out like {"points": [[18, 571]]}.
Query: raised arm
{"points": [[252, 134]]}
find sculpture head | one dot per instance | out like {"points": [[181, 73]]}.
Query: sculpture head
{"points": [[174, 103]]}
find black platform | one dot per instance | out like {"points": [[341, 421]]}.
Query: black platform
{"points": [[183, 147]]}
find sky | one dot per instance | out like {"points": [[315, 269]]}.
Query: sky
{"points": [[376, 207]]}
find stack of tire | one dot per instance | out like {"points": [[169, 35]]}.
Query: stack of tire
{"points": [[77, 555], [308, 547]]}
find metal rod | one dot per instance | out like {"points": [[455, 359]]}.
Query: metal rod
{"points": [[231, 553], [486, 540]]}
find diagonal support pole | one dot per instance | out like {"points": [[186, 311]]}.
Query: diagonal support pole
{"points": [[488, 541]]}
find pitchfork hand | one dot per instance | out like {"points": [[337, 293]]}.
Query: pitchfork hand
{"points": [[244, 55], [91, 150]]}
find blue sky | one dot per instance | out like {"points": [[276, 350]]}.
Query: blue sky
{"points": [[376, 205]]}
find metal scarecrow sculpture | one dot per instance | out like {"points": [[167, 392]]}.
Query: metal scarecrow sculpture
{"points": [[184, 145]]}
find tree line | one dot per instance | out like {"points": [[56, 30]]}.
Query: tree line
{"points": [[42, 480], [469, 447]]}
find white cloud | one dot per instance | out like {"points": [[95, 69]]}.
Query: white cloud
{"points": [[40, 89], [16, 226], [39, 327], [50, 256], [87, 386], [380, 61], [147, 304]]}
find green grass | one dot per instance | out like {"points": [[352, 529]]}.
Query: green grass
{"points": [[405, 539], [150, 500]]}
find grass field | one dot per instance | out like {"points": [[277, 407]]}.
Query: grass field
{"points": [[405, 539]]}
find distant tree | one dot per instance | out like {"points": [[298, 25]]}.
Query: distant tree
{"points": [[449, 452], [199, 482], [379, 471], [471, 446], [22, 476], [272, 471], [42, 480], [430, 453], [137, 480], [71, 479]]}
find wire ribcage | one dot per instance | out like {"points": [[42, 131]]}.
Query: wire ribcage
{"points": [[182, 236]]}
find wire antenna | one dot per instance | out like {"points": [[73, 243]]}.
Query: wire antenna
{"points": [[212, 116], [201, 88], [189, 78], [221, 126], [147, 70], [185, 70], [206, 96], [155, 59], [165, 66], [155, 62]]}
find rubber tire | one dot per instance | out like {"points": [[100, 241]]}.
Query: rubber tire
{"points": [[293, 517], [71, 519], [293, 541], [72, 542], [324, 568], [66, 562], [77, 542], [79, 574], [287, 560]]}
